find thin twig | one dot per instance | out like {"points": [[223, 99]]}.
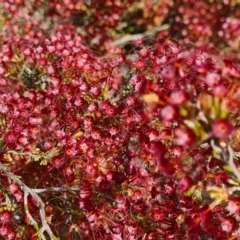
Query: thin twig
{"points": [[28, 191], [232, 164], [28, 154], [129, 38], [234, 237], [29, 216], [55, 189], [227, 157], [231, 190]]}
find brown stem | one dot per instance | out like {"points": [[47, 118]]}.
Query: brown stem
{"points": [[28, 191], [129, 38]]}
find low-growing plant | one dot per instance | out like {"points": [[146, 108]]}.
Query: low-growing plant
{"points": [[138, 140]]}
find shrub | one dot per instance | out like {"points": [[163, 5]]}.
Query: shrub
{"points": [[106, 134]]}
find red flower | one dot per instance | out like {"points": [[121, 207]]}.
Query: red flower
{"points": [[184, 137], [10, 137], [159, 151], [185, 183], [5, 216], [222, 128], [234, 206], [158, 215]]}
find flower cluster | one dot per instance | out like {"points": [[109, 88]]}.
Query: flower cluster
{"points": [[35, 19], [139, 144], [216, 22]]}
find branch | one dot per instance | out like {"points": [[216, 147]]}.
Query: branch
{"points": [[232, 164], [55, 189], [234, 237], [129, 38], [37, 155], [231, 190], [28, 191], [227, 157], [29, 216]]}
